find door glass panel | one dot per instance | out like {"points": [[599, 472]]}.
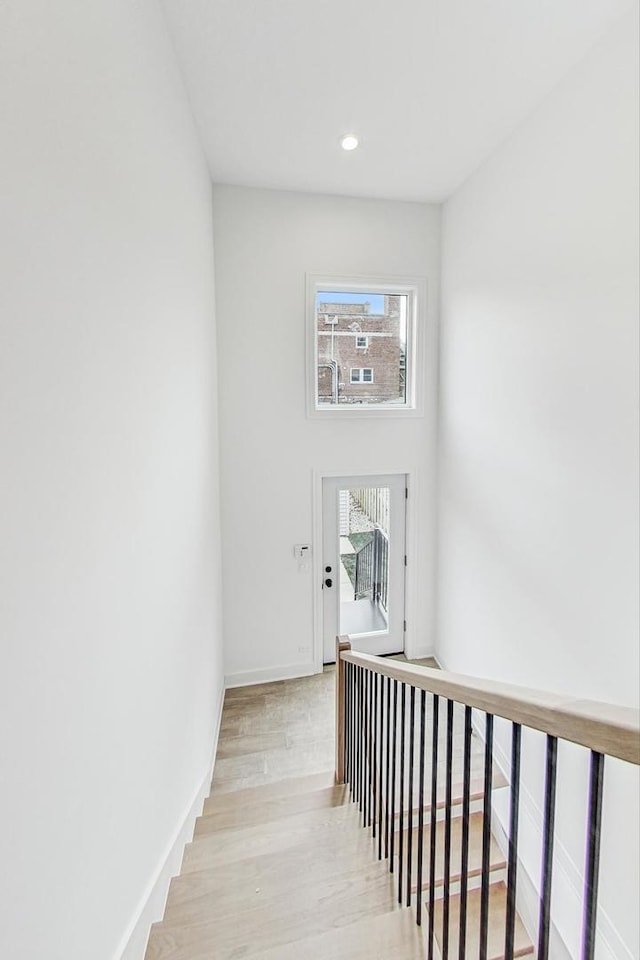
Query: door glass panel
{"points": [[364, 560]]}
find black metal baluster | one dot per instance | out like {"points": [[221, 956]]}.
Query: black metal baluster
{"points": [[423, 698], [394, 739], [447, 834], [486, 836], [547, 849], [363, 799], [367, 715], [361, 739], [387, 766], [380, 770], [371, 747], [352, 700], [345, 676], [365, 705], [353, 728], [464, 860], [512, 872], [360, 733], [412, 718], [433, 818], [356, 701], [374, 754], [345, 702], [401, 833], [592, 866]]}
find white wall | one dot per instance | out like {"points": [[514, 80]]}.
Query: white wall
{"points": [[111, 667], [538, 555], [266, 241]]}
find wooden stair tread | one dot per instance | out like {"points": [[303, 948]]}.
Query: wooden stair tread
{"points": [[311, 908], [230, 817], [268, 883], [476, 792], [278, 818], [388, 937], [225, 846], [496, 931], [496, 858], [269, 791], [254, 879]]}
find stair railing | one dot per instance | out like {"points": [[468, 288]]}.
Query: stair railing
{"points": [[364, 575], [372, 570], [383, 748]]}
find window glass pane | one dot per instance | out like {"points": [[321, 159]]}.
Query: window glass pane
{"points": [[364, 560], [345, 324]]}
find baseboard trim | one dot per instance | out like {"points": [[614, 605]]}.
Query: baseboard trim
{"points": [[249, 678], [152, 903], [420, 653]]}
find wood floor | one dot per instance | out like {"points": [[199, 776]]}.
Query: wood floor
{"points": [[279, 867]]}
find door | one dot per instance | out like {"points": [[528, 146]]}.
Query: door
{"points": [[363, 561]]}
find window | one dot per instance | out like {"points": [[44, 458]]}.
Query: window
{"points": [[361, 375], [379, 316]]}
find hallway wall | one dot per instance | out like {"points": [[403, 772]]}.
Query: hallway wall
{"points": [[538, 541], [266, 243], [111, 673]]}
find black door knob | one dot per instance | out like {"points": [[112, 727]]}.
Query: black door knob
{"points": [[328, 582], [327, 569]]}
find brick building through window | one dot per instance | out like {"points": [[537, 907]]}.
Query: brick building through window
{"points": [[361, 355]]}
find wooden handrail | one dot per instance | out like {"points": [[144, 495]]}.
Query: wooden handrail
{"points": [[602, 727]]}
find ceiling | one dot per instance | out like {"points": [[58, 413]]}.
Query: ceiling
{"points": [[431, 87]]}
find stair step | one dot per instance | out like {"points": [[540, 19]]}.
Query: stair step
{"points": [[220, 848], [310, 908], [388, 937], [252, 812], [496, 858], [497, 923], [476, 792], [269, 791], [265, 881]]}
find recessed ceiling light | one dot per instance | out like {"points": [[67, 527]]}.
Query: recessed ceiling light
{"points": [[349, 142]]}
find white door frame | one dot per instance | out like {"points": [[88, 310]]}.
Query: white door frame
{"points": [[412, 520]]}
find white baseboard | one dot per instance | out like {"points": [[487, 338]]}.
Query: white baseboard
{"points": [[419, 653], [248, 678], [152, 903]]}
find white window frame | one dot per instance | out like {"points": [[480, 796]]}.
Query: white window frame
{"points": [[360, 378], [415, 289], [362, 346]]}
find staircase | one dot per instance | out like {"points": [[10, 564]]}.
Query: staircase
{"points": [[282, 869], [287, 864], [279, 868]]}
